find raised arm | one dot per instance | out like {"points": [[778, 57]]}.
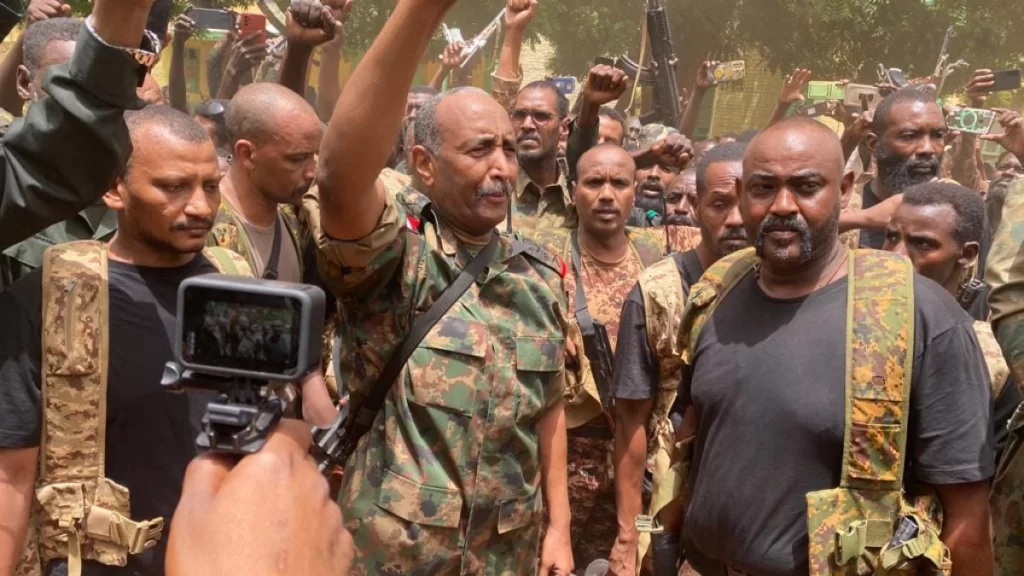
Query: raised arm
{"points": [[450, 60], [703, 83], [184, 28], [361, 133], [792, 91], [330, 63], [506, 79], [310, 24], [72, 144]]}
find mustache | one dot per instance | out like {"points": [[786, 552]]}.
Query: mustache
{"points": [[194, 224], [495, 188], [679, 220], [734, 234], [773, 223]]}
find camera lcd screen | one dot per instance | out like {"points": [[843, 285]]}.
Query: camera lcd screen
{"points": [[243, 331]]}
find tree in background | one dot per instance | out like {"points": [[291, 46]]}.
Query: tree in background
{"points": [[834, 38]]}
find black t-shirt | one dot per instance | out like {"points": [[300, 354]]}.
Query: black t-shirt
{"points": [[871, 238], [769, 386], [636, 369], [150, 436]]}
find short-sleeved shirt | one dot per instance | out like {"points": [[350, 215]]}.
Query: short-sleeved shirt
{"points": [[768, 380], [150, 435], [636, 368], [456, 444]]}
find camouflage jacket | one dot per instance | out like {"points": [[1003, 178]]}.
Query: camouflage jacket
{"points": [[605, 302], [229, 232], [552, 207], [448, 479], [94, 223], [1004, 275]]}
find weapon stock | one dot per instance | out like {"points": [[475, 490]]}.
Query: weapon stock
{"points": [[666, 96]]}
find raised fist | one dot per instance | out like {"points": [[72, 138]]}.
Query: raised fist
{"points": [[519, 13], [604, 84], [310, 23]]}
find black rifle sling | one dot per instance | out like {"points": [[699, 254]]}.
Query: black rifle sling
{"points": [[270, 271], [367, 411]]}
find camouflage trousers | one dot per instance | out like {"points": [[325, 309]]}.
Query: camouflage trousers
{"points": [[591, 500]]}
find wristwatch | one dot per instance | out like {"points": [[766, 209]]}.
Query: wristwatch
{"points": [[146, 54]]}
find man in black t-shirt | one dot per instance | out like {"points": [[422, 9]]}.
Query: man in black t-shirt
{"points": [[768, 374], [166, 202], [638, 367], [907, 139], [940, 227]]}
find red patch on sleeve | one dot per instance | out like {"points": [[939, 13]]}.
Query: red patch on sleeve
{"points": [[413, 223], [564, 269]]}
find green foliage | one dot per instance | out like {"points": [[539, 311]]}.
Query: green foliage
{"points": [[834, 38]]}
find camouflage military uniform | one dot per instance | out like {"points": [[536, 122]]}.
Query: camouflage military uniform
{"points": [[551, 207], [94, 223], [448, 480], [1004, 275], [591, 491], [229, 233]]}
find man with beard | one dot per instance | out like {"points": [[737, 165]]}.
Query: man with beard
{"points": [[648, 358], [824, 356], [467, 455], [663, 152], [907, 139], [680, 199], [276, 137], [540, 116], [165, 202], [605, 259]]}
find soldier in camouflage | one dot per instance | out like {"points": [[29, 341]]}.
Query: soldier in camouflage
{"points": [[1005, 277], [612, 257], [648, 354], [276, 136], [469, 448], [768, 339]]}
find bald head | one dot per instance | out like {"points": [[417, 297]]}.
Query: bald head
{"points": [[799, 137], [602, 155], [261, 110]]}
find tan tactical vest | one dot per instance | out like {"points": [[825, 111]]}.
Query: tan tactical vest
{"points": [[664, 297], [78, 513], [850, 527]]}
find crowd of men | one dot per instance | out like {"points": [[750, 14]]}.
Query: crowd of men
{"points": [[575, 344]]}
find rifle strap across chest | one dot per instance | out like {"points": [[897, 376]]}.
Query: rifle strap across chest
{"points": [[364, 414]]}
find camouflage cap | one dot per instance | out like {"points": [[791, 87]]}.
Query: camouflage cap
{"points": [[653, 133]]}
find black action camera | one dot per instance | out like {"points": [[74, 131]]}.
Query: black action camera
{"points": [[240, 327], [247, 340]]}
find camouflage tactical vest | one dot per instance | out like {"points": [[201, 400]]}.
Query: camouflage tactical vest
{"points": [[1007, 496], [78, 513], [664, 295], [849, 527]]}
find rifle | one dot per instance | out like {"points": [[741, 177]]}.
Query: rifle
{"points": [[943, 68], [666, 95], [661, 75]]}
